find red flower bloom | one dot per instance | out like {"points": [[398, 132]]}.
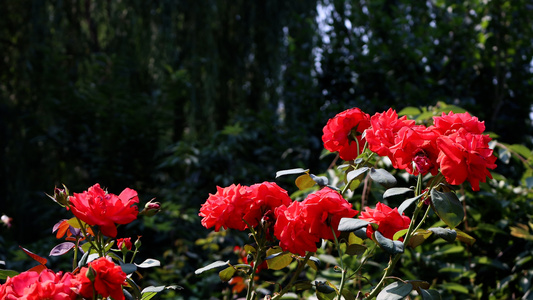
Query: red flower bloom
{"points": [[381, 136], [124, 243], [323, 210], [465, 156], [226, 208], [389, 220], [450, 123], [416, 150], [97, 207], [292, 230], [341, 132], [31, 285], [265, 197], [108, 279]]}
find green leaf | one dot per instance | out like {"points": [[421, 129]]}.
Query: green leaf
{"points": [[419, 237], [405, 204], [7, 273], [213, 265], [355, 249], [356, 173], [149, 263], [521, 150], [313, 262], [303, 285], [291, 172], [226, 274], [128, 268], [150, 292], [409, 111], [429, 294], [452, 286], [304, 182], [322, 181], [347, 294], [395, 291], [350, 224], [448, 207], [465, 238], [277, 259], [392, 192], [324, 291], [383, 177], [448, 235], [390, 246]]}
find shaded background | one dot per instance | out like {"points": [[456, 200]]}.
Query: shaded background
{"points": [[173, 98]]}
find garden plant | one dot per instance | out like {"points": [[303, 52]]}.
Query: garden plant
{"points": [[292, 240]]}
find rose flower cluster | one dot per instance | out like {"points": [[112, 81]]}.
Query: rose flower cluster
{"points": [[297, 225], [95, 210], [454, 145]]}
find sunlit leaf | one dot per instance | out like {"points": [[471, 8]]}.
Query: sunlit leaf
{"points": [[351, 224], [419, 237], [395, 291], [211, 266], [62, 248], [149, 263], [277, 259], [226, 274], [401, 191], [304, 182], [291, 172]]}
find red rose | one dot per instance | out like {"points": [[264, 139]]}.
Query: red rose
{"points": [[389, 220], [124, 243], [416, 150], [97, 207], [292, 230], [31, 285], [226, 208], [381, 136], [450, 123], [323, 211], [107, 279], [465, 156], [342, 130], [265, 197]]}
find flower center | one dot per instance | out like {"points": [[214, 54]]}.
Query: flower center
{"points": [[422, 162]]}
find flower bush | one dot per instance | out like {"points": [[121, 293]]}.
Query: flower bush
{"points": [[454, 149], [97, 271]]}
